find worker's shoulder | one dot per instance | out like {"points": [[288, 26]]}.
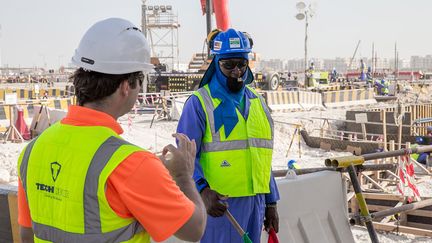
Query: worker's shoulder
{"points": [[142, 156], [137, 162]]}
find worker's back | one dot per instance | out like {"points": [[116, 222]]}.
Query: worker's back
{"points": [[61, 175]]}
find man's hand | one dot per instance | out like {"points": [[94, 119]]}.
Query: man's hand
{"points": [[211, 200], [180, 161], [271, 219]]}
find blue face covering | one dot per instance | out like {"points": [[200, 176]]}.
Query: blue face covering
{"points": [[225, 114]]}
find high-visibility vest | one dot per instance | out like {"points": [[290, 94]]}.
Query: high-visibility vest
{"points": [[238, 165], [64, 173], [414, 156]]}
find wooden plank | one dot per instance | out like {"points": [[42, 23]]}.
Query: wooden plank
{"points": [[423, 213], [391, 173], [388, 180], [372, 190], [419, 165], [5, 226], [419, 225], [13, 213], [350, 195], [404, 229], [373, 182], [368, 173], [383, 196]]}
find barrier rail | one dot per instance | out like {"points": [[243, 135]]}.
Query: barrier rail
{"points": [[28, 106], [310, 100], [283, 101], [149, 99], [26, 94], [348, 98], [417, 112]]}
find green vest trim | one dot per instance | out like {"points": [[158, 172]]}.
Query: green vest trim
{"points": [[238, 165], [100, 223]]}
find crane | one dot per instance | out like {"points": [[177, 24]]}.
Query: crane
{"points": [[352, 58]]}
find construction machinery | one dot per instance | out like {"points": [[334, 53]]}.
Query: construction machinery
{"points": [[274, 80], [161, 18]]}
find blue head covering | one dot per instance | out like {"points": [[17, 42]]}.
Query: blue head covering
{"points": [[225, 114]]}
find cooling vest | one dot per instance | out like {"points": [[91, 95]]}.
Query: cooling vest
{"points": [[64, 173], [238, 165]]}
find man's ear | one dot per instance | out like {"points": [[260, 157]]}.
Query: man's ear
{"points": [[124, 87]]}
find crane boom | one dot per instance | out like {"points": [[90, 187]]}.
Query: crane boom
{"points": [[352, 58]]}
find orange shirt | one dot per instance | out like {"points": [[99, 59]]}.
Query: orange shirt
{"points": [[140, 187]]}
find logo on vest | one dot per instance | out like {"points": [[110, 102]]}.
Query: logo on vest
{"points": [[225, 164], [50, 190], [55, 170]]}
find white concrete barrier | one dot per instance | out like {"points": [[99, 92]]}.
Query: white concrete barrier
{"points": [[282, 101], [177, 107], [310, 100], [313, 209], [41, 121], [347, 98]]}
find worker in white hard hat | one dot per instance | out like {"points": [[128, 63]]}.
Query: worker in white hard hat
{"points": [[79, 181]]}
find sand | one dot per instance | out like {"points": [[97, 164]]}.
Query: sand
{"points": [[155, 138]]}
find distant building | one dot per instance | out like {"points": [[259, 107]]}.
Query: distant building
{"points": [[421, 63], [296, 65], [341, 64], [271, 65]]}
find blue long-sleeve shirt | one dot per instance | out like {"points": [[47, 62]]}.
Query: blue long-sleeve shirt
{"points": [[193, 123]]}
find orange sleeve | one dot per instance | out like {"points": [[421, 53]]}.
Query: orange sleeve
{"points": [[141, 187], [24, 218]]}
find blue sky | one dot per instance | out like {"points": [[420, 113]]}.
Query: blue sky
{"points": [[38, 31]]}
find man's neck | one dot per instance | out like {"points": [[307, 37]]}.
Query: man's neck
{"points": [[105, 107]]}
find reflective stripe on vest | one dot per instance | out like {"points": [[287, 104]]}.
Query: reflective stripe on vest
{"points": [[217, 145], [238, 144], [238, 165], [92, 221]]}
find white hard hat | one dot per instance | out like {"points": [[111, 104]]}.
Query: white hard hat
{"points": [[113, 46]]}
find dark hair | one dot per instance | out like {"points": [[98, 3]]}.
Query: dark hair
{"points": [[93, 86]]}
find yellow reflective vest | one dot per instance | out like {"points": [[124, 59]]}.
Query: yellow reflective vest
{"points": [[238, 165], [65, 181]]}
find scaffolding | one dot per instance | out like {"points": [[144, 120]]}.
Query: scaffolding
{"points": [[160, 25]]}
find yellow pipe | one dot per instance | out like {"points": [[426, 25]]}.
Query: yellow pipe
{"points": [[345, 161], [364, 211]]}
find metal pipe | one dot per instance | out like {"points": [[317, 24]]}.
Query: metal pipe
{"points": [[403, 208], [144, 18], [353, 121], [209, 11], [372, 58], [305, 50], [399, 152], [374, 167], [364, 211], [345, 160]]}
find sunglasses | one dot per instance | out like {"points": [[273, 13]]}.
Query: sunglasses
{"points": [[231, 64]]}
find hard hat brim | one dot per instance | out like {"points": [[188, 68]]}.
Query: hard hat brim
{"points": [[113, 67]]}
